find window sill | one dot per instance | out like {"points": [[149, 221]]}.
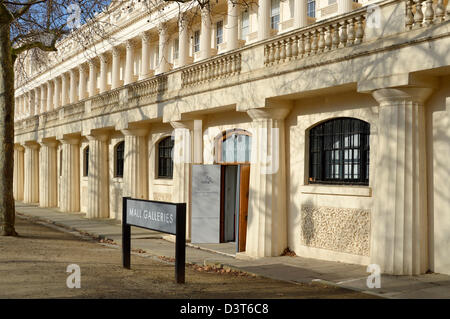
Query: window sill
{"points": [[163, 181], [338, 190]]}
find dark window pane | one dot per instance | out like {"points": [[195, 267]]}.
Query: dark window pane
{"points": [[339, 152], [165, 160], [120, 149]]}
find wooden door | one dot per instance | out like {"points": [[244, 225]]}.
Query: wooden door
{"points": [[243, 204]]}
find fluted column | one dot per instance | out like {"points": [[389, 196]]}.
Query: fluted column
{"points": [[18, 179], [30, 96], [82, 82], [135, 163], [70, 190], [232, 26], [115, 82], [73, 86], [345, 6], [104, 60], [205, 33], [266, 227], [50, 96], [48, 177], [43, 102], [92, 77], [98, 179], [64, 89], [145, 56], [37, 100], [264, 19], [182, 164], [31, 183], [183, 40], [399, 230], [163, 65], [129, 62], [300, 13], [56, 93]]}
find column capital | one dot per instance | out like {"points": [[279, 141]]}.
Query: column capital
{"points": [[189, 124], [130, 44], [142, 131], [267, 113], [82, 67], [70, 140], [400, 94], [98, 136], [162, 27], [145, 36], [104, 57], [31, 145], [116, 51], [93, 62], [18, 147], [48, 143]]}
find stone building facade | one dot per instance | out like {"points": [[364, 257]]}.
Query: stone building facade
{"points": [[325, 123]]}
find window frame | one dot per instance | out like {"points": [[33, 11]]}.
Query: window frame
{"points": [[219, 38], [311, 8], [322, 150], [196, 41], [275, 18], [244, 14], [159, 145], [116, 159], [86, 161]]}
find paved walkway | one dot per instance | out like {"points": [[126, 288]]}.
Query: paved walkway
{"points": [[292, 269]]}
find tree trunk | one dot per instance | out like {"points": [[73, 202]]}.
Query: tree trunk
{"points": [[7, 207]]}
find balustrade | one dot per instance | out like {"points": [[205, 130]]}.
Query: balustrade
{"points": [[424, 13]]}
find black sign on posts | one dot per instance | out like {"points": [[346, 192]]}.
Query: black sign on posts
{"points": [[165, 217]]}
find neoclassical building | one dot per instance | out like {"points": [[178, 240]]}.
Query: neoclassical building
{"points": [[318, 126]]}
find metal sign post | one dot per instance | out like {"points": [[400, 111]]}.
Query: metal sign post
{"points": [[165, 217]]}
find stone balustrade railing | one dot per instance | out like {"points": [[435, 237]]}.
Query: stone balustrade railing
{"points": [[217, 68], [144, 92], [322, 37], [74, 109], [423, 13], [105, 99]]}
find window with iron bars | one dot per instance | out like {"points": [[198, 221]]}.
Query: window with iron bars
{"points": [[339, 152]]}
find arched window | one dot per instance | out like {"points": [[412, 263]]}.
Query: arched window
{"points": [[339, 152], [234, 146], [86, 161], [118, 155], [165, 160]]}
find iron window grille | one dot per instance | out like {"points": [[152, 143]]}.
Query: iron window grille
{"points": [[120, 149], [339, 152], [165, 159]]}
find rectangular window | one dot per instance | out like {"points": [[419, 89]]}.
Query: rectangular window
{"points": [[197, 41], [175, 49], [219, 33], [245, 25], [275, 14], [311, 8]]}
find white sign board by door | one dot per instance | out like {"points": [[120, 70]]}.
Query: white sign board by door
{"points": [[205, 204]]}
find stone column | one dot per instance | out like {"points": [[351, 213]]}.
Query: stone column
{"points": [[50, 97], [70, 190], [266, 227], [183, 40], [135, 163], [163, 48], [56, 93], [37, 100], [232, 25], [205, 34], [145, 56], [18, 179], [98, 179], [345, 6], [48, 174], [92, 77], [129, 62], [73, 86], [264, 19], [182, 163], [82, 82], [31, 183], [30, 96], [103, 85], [115, 82], [43, 102], [64, 89], [300, 13], [399, 230]]}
